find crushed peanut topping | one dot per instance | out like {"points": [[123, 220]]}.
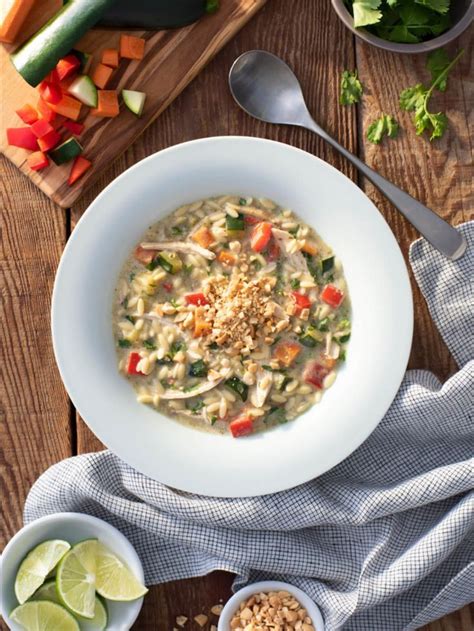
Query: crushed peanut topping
{"points": [[271, 611], [240, 310]]}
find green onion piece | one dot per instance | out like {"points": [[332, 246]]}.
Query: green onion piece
{"points": [[124, 343]]}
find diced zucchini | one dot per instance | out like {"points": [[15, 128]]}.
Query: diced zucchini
{"points": [[84, 90], [235, 226], [238, 386], [281, 381], [198, 369], [135, 101], [170, 262], [342, 339], [327, 264], [323, 325], [311, 337], [66, 151]]}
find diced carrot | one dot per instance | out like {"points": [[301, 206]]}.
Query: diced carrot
{"points": [[68, 107], [226, 258], [28, 114], [45, 111], [287, 352], [131, 47], [37, 160], [310, 248], [107, 104], [203, 236], [13, 19], [201, 325], [101, 75], [49, 140], [79, 167], [41, 127], [110, 57]]}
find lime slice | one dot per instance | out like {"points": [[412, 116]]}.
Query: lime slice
{"points": [[75, 578], [36, 566], [42, 615], [48, 591], [114, 580]]}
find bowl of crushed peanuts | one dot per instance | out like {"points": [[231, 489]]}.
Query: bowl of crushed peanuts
{"points": [[232, 316], [270, 605]]}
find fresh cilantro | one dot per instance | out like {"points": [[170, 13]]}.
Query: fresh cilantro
{"points": [[294, 231], [351, 88], [124, 343], [174, 303], [176, 347], [176, 231], [386, 125], [366, 12], [295, 283], [197, 406], [276, 415], [187, 269], [131, 276], [416, 99], [130, 319], [242, 201], [437, 63], [213, 419], [150, 345], [257, 266]]}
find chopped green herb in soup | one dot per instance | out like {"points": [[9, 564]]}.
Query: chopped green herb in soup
{"points": [[231, 315]]}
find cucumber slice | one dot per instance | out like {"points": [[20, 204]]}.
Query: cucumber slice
{"points": [[84, 90], [135, 101], [40, 54], [66, 151]]}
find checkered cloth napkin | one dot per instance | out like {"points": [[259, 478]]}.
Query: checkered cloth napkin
{"points": [[382, 542]]}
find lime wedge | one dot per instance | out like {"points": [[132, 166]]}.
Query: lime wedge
{"points": [[42, 615], [36, 566], [48, 591], [75, 578], [114, 580]]}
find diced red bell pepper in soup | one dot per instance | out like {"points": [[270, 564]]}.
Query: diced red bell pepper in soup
{"points": [[273, 251], [302, 301], [28, 114], [22, 137], [314, 374], [133, 360], [196, 299], [261, 236], [332, 296], [241, 426], [37, 161], [144, 256]]}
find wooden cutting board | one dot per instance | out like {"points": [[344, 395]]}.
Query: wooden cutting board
{"points": [[172, 59]]}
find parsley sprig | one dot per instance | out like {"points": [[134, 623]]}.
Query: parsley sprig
{"points": [[416, 98]]}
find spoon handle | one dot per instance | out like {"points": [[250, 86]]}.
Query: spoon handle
{"points": [[440, 234]]}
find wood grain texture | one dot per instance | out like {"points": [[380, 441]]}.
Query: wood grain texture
{"points": [[315, 44], [172, 59]]}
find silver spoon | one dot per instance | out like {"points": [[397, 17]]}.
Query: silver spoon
{"points": [[266, 88]]}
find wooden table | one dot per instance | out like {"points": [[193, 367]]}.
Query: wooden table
{"points": [[39, 424]]}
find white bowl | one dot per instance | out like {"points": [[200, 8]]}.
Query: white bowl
{"points": [[72, 527], [201, 462], [232, 605]]}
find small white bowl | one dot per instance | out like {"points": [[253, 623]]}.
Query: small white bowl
{"points": [[72, 527], [269, 586]]}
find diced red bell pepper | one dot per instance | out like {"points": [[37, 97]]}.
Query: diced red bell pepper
{"points": [[49, 140], [260, 236], [198, 299], [28, 114], [273, 251], [332, 296], [302, 302], [45, 111], [168, 287], [50, 92], [53, 76], [314, 374], [67, 66], [41, 127], [241, 426], [79, 167], [251, 221], [37, 161], [73, 127], [144, 256], [132, 364], [22, 137]]}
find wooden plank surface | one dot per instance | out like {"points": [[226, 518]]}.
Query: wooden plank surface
{"points": [[172, 59], [318, 48]]}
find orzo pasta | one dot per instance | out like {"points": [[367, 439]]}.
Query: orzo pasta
{"points": [[231, 314]]}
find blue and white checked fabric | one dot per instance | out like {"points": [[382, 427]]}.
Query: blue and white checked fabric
{"points": [[382, 542]]}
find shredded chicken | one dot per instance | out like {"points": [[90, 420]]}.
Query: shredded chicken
{"points": [[295, 259], [205, 386], [260, 390], [179, 246]]}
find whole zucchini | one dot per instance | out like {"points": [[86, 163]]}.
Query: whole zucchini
{"points": [[40, 54], [153, 14]]}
